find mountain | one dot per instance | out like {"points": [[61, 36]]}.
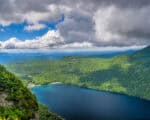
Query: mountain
{"points": [[142, 54], [128, 74], [17, 102]]}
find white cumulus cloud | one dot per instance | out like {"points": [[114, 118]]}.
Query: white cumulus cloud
{"points": [[51, 38]]}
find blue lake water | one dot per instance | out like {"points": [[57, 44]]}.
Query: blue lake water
{"points": [[75, 103]]}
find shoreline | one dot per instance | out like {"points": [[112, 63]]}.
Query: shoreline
{"points": [[54, 83], [32, 85], [113, 92]]}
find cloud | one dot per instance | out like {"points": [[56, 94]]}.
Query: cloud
{"points": [[51, 38], [77, 45], [77, 27], [32, 12], [33, 27], [90, 23], [119, 25]]}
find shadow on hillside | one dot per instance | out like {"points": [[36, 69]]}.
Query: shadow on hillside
{"points": [[101, 76]]}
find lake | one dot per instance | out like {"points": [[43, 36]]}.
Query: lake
{"points": [[75, 103]]}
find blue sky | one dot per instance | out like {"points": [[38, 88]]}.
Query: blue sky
{"points": [[17, 30]]}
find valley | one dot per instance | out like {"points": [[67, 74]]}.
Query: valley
{"points": [[127, 74]]}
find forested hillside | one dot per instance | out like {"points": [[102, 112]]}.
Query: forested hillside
{"points": [[127, 74], [17, 102]]}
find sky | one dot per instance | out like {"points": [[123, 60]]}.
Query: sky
{"points": [[53, 24]]}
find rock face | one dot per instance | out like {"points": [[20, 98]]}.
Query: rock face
{"points": [[3, 101], [9, 104]]}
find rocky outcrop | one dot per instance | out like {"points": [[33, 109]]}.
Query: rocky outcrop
{"points": [[3, 101]]}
